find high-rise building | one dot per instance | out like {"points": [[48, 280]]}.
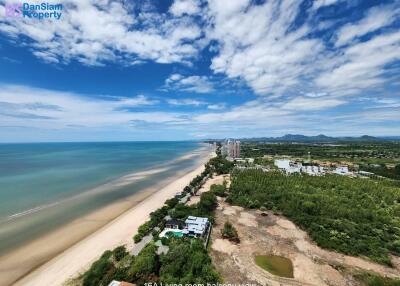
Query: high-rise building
{"points": [[232, 148]]}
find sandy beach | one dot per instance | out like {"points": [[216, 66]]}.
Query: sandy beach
{"points": [[72, 254]]}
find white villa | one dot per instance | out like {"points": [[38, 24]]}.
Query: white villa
{"points": [[291, 167], [288, 166], [192, 227], [196, 226]]}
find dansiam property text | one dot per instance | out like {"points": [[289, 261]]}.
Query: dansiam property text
{"points": [[35, 11]]}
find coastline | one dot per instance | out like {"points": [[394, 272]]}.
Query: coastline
{"points": [[105, 229]]}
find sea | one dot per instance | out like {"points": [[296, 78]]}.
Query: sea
{"points": [[44, 186]]}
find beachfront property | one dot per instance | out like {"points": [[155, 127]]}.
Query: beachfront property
{"points": [[231, 148], [192, 227], [196, 226], [174, 224]]}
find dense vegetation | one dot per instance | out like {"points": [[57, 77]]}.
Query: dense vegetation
{"points": [[230, 232], [219, 190], [204, 208], [382, 170], [353, 216], [156, 219], [369, 279], [187, 261], [219, 165], [357, 152]]}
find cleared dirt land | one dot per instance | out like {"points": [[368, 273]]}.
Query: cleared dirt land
{"points": [[271, 234]]}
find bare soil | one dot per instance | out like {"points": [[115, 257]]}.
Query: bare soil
{"points": [[276, 235]]}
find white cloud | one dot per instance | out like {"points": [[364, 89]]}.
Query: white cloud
{"points": [[32, 107], [217, 106], [197, 84], [94, 32], [361, 66], [188, 7], [304, 103], [186, 102], [323, 3], [270, 58], [376, 18]]}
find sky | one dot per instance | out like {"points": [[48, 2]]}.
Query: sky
{"points": [[191, 70]]}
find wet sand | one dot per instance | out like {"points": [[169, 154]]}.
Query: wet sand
{"points": [[63, 253]]}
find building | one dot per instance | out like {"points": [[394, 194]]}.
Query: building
{"points": [[231, 148], [282, 164], [342, 170], [288, 166], [192, 227], [313, 170], [196, 226], [174, 224], [291, 167]]}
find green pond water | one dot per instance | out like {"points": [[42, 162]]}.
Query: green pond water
{"points": [[277, 265]]}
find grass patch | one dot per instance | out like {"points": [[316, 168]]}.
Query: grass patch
{"points": [[370, 279], [277, 265]]}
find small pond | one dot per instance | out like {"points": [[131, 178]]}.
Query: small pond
{"points": [[277, 265]]}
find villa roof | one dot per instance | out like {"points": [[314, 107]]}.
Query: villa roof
{"points": [[175, 222], [196, 224]]}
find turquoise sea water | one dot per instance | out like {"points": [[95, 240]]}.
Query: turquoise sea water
{"points": [[43, 186]]}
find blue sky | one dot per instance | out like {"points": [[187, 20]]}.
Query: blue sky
{"points": [[187, 69]]}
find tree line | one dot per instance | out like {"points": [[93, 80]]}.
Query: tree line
{"points": [[351, 215]]}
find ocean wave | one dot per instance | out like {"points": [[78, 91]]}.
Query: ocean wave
{"points": [[112, 185], [31, 211]]}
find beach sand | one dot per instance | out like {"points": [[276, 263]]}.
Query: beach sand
{"points": [[63, 254]]}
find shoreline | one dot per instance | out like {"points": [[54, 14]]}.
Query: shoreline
{"points": [[105, 229]]}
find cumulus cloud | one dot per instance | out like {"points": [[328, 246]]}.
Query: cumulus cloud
{"points": [[270, 58], [182, 7], [194, 83], [284, 56], [94, 32]]}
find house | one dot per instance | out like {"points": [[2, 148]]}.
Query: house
{"points": [[282, 164], [342, 170], [196, 226], [288, 166], [120, 283], [174, 224]]}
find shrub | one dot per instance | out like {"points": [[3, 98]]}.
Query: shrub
{"points": [[119, 252], [218, 190], [229, 232]]}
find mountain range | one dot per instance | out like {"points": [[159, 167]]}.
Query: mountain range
{"points": [[321, 138]]}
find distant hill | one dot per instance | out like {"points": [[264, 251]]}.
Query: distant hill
{"points": [[321, 138]]}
